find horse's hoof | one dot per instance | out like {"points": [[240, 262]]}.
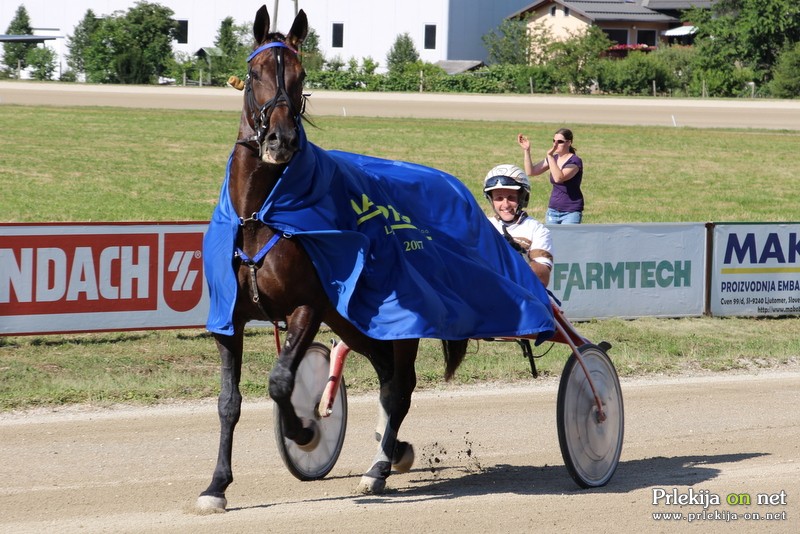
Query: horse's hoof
{"points": [[208, 504], [371, 485], [316, 435], [406, 454]]}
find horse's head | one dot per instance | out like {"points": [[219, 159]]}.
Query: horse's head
{"points": [[273, 101]]}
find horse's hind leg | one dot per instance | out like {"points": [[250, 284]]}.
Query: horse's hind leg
{"points": [[395, 402], [229, 408], [403, 456]]}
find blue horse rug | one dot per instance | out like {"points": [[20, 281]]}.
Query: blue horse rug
{"points": [[402, 250]]}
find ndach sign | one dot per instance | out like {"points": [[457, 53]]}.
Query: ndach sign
{"points": [[66, 278]]}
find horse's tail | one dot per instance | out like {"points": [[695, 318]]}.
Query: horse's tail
{"points": [[454, 352]]}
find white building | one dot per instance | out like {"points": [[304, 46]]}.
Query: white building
{"points": [[440, 29]]}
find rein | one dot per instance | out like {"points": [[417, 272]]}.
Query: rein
{"points": [[260, 115]]}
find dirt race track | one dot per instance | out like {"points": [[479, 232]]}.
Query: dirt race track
{"points": [[488, 458], [487, 461]]}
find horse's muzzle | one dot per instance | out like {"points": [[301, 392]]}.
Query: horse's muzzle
{"points": [[279, 148]]}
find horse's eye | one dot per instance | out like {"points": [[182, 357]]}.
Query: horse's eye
{"points": [[255, 75]]}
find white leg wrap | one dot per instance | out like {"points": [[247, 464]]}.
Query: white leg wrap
{"points": [[371, 486], [207, 504]]}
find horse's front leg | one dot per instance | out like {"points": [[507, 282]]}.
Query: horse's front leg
{"points": [[302, 326], [395, 401], [229, 407]]}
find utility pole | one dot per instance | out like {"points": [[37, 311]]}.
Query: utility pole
{"points": [[274, 27]]}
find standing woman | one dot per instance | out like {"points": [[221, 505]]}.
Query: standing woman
{"points": [[566, 173]]}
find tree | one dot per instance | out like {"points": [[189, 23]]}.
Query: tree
{"points": [[227, 40], [509, 43], [130, 67], [577, 59], [401, 53], [152, 29], [334, 64], [105, 43], [737, 34], [15, 54], [765, 27], [132, 47], [234, 52], [678, 61], [313, 60], [517, 42], [42, 60], [79, 42], [786, 82], [185, 66], [369, 65]]}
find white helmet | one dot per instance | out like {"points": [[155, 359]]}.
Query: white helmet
{"points": [[508, 176]]}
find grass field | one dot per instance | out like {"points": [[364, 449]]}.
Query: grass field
{"points": [[112, 164]]}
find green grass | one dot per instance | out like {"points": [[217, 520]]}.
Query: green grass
{"points": [[155, 366], [113, 164]]}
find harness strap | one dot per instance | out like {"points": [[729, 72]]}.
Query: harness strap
{"points": [[253, 264], [246, 143], [263, 47], [277, 336], [254, 286], [260, 254]]}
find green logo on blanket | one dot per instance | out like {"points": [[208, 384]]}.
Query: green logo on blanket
{"points": [[396, 221]]}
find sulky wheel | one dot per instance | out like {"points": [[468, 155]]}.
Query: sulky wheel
{"points": [[309, 383], [590, 447]]}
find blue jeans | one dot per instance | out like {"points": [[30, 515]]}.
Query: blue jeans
{"points": [[563, 217]]}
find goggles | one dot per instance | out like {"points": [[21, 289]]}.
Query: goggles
{"points": [[500, 182]]}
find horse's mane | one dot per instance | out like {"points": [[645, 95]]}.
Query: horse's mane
{"points": [[277, 36]]}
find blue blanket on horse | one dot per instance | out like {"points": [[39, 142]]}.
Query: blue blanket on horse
{"points": [[403, 251]]}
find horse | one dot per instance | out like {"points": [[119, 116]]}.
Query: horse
{"points": [[277, 281]]}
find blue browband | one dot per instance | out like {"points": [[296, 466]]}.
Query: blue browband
{"points": [[263, 47]]}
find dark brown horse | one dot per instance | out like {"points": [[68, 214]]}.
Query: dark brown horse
{"points": [[283, 284]]}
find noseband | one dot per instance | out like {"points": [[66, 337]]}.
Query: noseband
{"points": [[260, 115]]}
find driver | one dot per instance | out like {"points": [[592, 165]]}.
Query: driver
{"points": [[507, 188]]}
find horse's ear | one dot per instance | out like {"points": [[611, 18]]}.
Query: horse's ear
{"points": [[261, 25], [299, 30]]}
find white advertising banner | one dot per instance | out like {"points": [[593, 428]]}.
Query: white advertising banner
{"points": [[87, 277], [617, 270], [756, 269]]}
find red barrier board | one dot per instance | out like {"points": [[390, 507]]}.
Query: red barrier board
{"points": [[86, 277]]}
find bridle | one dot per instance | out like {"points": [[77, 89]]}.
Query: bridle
{"points": [[260, 115]]}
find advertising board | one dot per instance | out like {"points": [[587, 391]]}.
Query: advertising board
{"points": [[88, 277], [633, 270], [96, 277], [756, 269]]}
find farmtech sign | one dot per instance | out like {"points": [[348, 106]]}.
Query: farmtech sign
{"points": [[629, 270]]}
